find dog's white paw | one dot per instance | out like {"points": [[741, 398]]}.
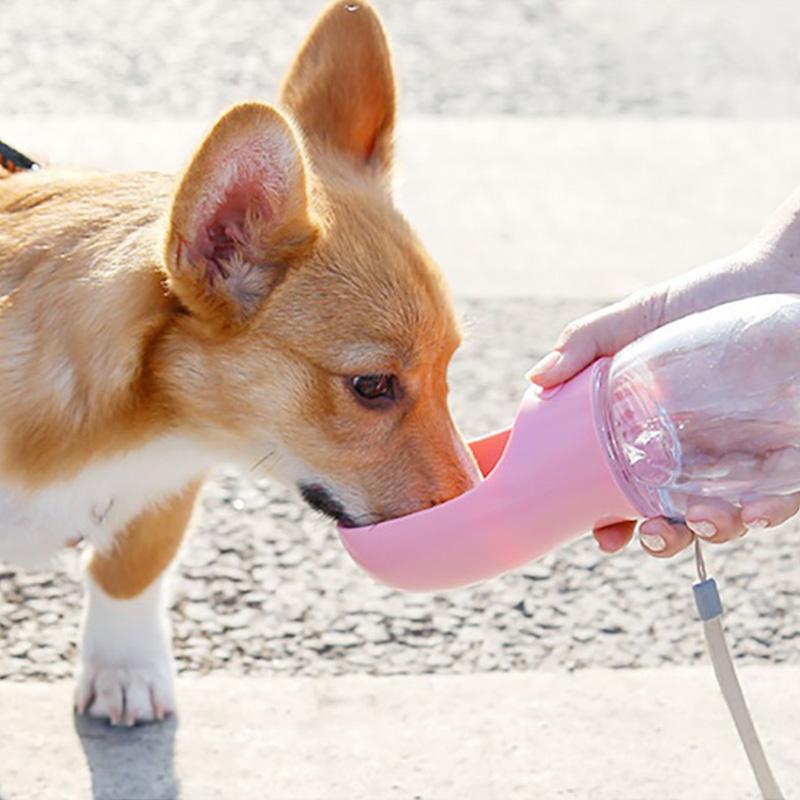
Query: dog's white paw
{"points": [[126, 673], [125, 695]]}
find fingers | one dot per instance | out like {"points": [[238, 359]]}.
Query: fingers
{"points": [[657, 536], [766, 512], [662, 539], [612, 538], [715, 521]]}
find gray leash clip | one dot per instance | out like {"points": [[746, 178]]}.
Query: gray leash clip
{"points": [[707, 599]]}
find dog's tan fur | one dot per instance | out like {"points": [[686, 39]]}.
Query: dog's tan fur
{"points": [[117, 325], [145, 548]]}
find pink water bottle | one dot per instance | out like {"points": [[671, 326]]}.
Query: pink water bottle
{"points": [[707, 406]]}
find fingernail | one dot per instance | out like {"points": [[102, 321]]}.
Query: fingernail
{"points": [[543, 366], [702, 528], [652, 541], [757, 524]]}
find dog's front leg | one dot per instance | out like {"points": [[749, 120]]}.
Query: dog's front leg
{"points": [[126, 670]]}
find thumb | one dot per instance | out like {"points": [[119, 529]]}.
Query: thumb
{"points": [[602, 333], [576, 348]]}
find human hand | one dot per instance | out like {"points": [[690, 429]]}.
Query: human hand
{"points": [[770, 264], [712, 521]]}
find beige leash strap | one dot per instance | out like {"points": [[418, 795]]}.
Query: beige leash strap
{"points": [[709, 606]]}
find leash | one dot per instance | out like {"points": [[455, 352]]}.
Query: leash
{"points": [[709, 606], [14, 161]]}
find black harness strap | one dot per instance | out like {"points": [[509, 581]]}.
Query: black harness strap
{"points": [[14, 161]]}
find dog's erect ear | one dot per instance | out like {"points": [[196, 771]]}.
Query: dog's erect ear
{"points": [[240, 216], [340, 88]]}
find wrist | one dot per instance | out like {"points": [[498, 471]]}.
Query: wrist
{"points": [[768, 269], [776, 248]]}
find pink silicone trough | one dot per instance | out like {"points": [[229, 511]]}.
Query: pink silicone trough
{"points": [[548, 479]]}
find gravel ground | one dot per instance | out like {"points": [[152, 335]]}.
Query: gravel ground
{"points": [[264, 586], [716, 57]]}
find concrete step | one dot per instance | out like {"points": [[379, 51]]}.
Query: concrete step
{"points": [[591, 735], [555, 208]]}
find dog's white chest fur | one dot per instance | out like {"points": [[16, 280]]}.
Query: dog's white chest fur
{"points": [[98, 502]]}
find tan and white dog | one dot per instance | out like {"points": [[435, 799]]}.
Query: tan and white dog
{"points": [[268, 305]]}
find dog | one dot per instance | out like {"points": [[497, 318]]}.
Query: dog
{"points": [[269, 305]]}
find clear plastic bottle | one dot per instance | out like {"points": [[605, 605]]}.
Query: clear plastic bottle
{"points": [[707, 406]]}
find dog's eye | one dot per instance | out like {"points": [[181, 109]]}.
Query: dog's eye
{"points": [[375, 387]]}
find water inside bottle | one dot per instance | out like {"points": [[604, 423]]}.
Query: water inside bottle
{"points": [[710, 407]]}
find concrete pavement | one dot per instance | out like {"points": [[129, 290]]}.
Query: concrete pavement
{"points": [[591, 735], [553, 208]]}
